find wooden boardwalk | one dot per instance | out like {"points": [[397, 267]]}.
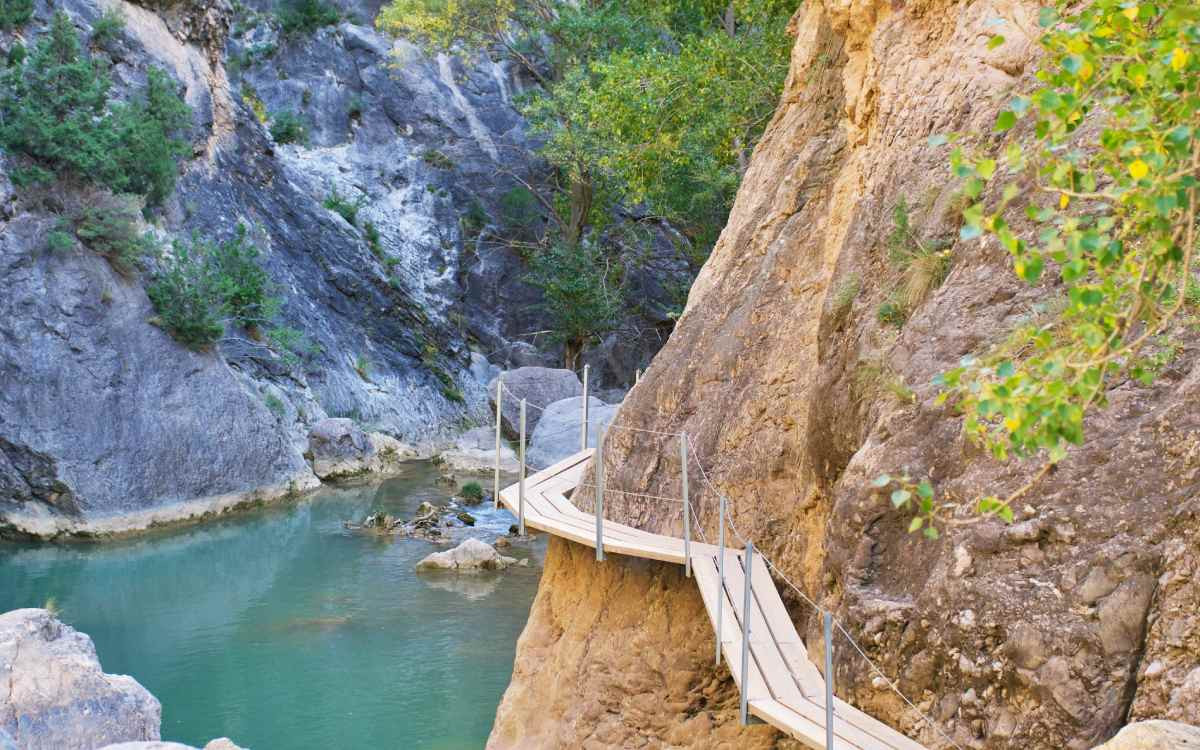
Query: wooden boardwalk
{"points": [[784, 688]]}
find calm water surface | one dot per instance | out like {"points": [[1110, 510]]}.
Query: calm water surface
{"points": [[281, 629]]}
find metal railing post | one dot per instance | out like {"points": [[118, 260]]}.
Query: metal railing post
{"points": [[720, 570], [829, 681], [687, 512], [521, 483], [748, 558], [583, 426], [496, 477], [600, 495]]}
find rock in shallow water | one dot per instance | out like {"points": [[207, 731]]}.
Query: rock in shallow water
{"points": [[472, 554], [58, 697]]}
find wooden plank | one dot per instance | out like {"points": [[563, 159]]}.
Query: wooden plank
{"points": [[731, 634], [785, 688]]}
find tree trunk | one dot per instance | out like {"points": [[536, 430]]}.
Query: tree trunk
{"points": [[581, 206], [574, 350]]}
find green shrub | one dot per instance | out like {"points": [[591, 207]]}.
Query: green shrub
{"points": [[55, 113], [204, 284], [182, 296], [437, 159], [287, 127], [519, 208], [14, 13], [16, 55], [298, 17], [344, 207], [60, 241], [472, 491], [274, 403], [108, 27], [891, 313], [374, 240], [240, 284], [580, 291], [108, 225]]}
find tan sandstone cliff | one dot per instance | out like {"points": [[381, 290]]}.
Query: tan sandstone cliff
{"points": [[1051, 632]]}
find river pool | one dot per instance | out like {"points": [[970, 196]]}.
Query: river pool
{"points": [[279, 628]]}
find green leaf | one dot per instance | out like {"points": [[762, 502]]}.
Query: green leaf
{"points": [[883, 480], [1005, 121], [986, 168], [925, 490], [915, 524], [995, 42], [900, 497]]}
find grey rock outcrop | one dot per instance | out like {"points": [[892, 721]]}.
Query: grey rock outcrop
{"points": [[339, 448], [1155, 735], [539, 386], [58, 697], [475, 453], [557, 434], [471, 555]]}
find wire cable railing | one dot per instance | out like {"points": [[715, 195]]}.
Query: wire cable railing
{"points": [[689, 456]]}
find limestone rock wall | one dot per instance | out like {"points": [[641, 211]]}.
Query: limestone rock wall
{"points": [[1046, 633]]}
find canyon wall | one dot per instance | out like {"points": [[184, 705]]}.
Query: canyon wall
{"points": [[1050, 632]]}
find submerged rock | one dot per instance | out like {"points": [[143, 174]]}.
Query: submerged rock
{"points": [[472, 554], [58, 697], [221, 743], [1155, 735]]}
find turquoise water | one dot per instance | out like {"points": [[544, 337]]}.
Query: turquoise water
{"points": [[281, 629]]}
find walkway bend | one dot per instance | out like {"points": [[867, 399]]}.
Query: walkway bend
{"points": [[785, 689]]}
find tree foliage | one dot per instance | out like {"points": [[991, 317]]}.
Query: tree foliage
{"points": [[56, 112], [202, 286], [647, 105], [581, 290], [1099, 186]]}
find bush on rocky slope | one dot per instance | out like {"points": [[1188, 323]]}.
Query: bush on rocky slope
{"points": [[56, 111]]}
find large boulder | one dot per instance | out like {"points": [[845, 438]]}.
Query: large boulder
{"points": [[58, 697], [1155, 735], [539, 386], [339, 448], [471, 555], [557, 434], [475, 453]]}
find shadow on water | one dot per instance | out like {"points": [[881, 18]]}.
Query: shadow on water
{"points": [[282, 629]]}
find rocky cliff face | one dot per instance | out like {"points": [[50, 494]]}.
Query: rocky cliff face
{"points": [[1050, 632], [107, 424]]}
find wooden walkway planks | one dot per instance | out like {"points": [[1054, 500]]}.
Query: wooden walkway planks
{"points": [[784, 688]]}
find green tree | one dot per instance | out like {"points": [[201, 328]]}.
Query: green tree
{"points": [[56, 112], [581, 290], [650, 105]]}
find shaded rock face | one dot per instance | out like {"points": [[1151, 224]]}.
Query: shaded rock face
{"points": [[1045, 633], [557, 434], [338, 447], [58, 697], [540, 387], [591, 669]]}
